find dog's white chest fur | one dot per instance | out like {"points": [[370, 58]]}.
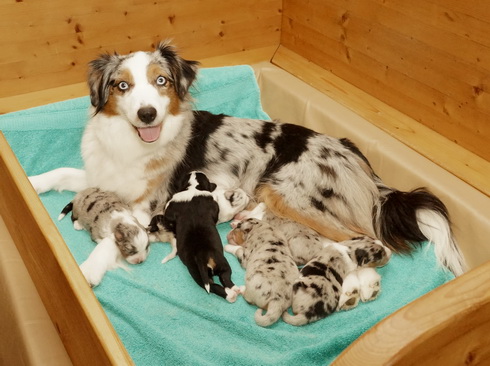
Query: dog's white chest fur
{"points": [[111, 148]]}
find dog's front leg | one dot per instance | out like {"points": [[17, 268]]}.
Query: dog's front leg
{"points": [[61, 179], [104, 257]]}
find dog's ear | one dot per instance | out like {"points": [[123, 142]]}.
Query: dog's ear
{"points": [[100, 79], [183, 72]]}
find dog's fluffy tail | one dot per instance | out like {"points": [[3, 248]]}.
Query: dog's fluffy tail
{"points": [[405, 218], [275, 308], [297, 319]]}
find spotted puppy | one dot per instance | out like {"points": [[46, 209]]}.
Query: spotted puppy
{"points": [[304, 243], [111, 224], [270, 271], [191, 215], [317, 291]]}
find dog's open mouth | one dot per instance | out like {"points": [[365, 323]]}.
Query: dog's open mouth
{"points": [[149, 134]]}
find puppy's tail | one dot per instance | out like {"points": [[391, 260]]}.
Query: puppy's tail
{"points": [[65, 211], [297, 319], [413, 217], [204, 274], [274, 311]]}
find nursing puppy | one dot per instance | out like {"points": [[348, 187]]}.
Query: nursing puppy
{"points": [[269, 269], [111, 224], [303, 242], [317, 292], [191, 215], [142, 135]]}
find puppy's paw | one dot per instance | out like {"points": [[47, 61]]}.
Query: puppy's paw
{"points": [[77, 226], [230, 248], [370, 284], [349, 298], [169, 257], [231, 294]]}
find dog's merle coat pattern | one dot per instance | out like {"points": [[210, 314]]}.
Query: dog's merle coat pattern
{"points": [[318, 290], [269, 269], [322, 182], [191, 215]]}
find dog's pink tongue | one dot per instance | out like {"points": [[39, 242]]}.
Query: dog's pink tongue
{"points": [[150, 134]]}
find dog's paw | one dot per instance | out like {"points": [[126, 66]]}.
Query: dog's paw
{"points": [[349, 298], [40, 183], [93, 274], [370, 284]]}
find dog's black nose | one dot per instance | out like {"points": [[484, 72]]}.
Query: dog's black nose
{"points": [[147, 114]]}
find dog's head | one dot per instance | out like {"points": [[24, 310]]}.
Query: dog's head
{"points": [[239, 234], [142, 87]]}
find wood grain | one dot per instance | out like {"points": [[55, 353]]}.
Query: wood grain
{"points": [[82, 324], [430, 60], [448, 326], [48, 44], [56, 94]]}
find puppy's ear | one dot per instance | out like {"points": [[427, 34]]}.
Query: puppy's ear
{"points": [[119, 233], [183, 72], [212, 187], [100, 80], [155, 220]]}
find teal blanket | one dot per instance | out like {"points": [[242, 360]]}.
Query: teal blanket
{"points": [[161, 315]]}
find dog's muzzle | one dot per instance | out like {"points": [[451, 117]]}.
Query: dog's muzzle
{"points": [[152, 133]]}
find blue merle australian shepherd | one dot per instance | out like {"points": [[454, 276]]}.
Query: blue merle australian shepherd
{"points": [[142, 134]]}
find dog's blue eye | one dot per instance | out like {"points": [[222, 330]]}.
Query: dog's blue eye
{"points": [[161, 80], [123, 85]]}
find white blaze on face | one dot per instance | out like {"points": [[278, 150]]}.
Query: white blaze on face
{"points": [[143, 93]]}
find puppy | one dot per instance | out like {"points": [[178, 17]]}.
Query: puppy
{"points": [[303, 242], [317, 291], [191, 215], [270, 270], [107, 219]]}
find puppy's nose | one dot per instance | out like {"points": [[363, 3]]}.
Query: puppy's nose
{"points": [[147, 114]]}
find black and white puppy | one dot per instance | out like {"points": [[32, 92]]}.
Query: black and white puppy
{"points": [[318, 291], [191, 215]]}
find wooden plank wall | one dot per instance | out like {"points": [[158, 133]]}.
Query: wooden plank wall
{"points": [[47, 44], [430, 59]]}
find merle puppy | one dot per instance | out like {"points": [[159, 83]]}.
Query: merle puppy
{"points": [[191, 215], [318, 291]]}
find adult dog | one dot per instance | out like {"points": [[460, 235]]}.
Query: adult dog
{"points": [[143, 134]]}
